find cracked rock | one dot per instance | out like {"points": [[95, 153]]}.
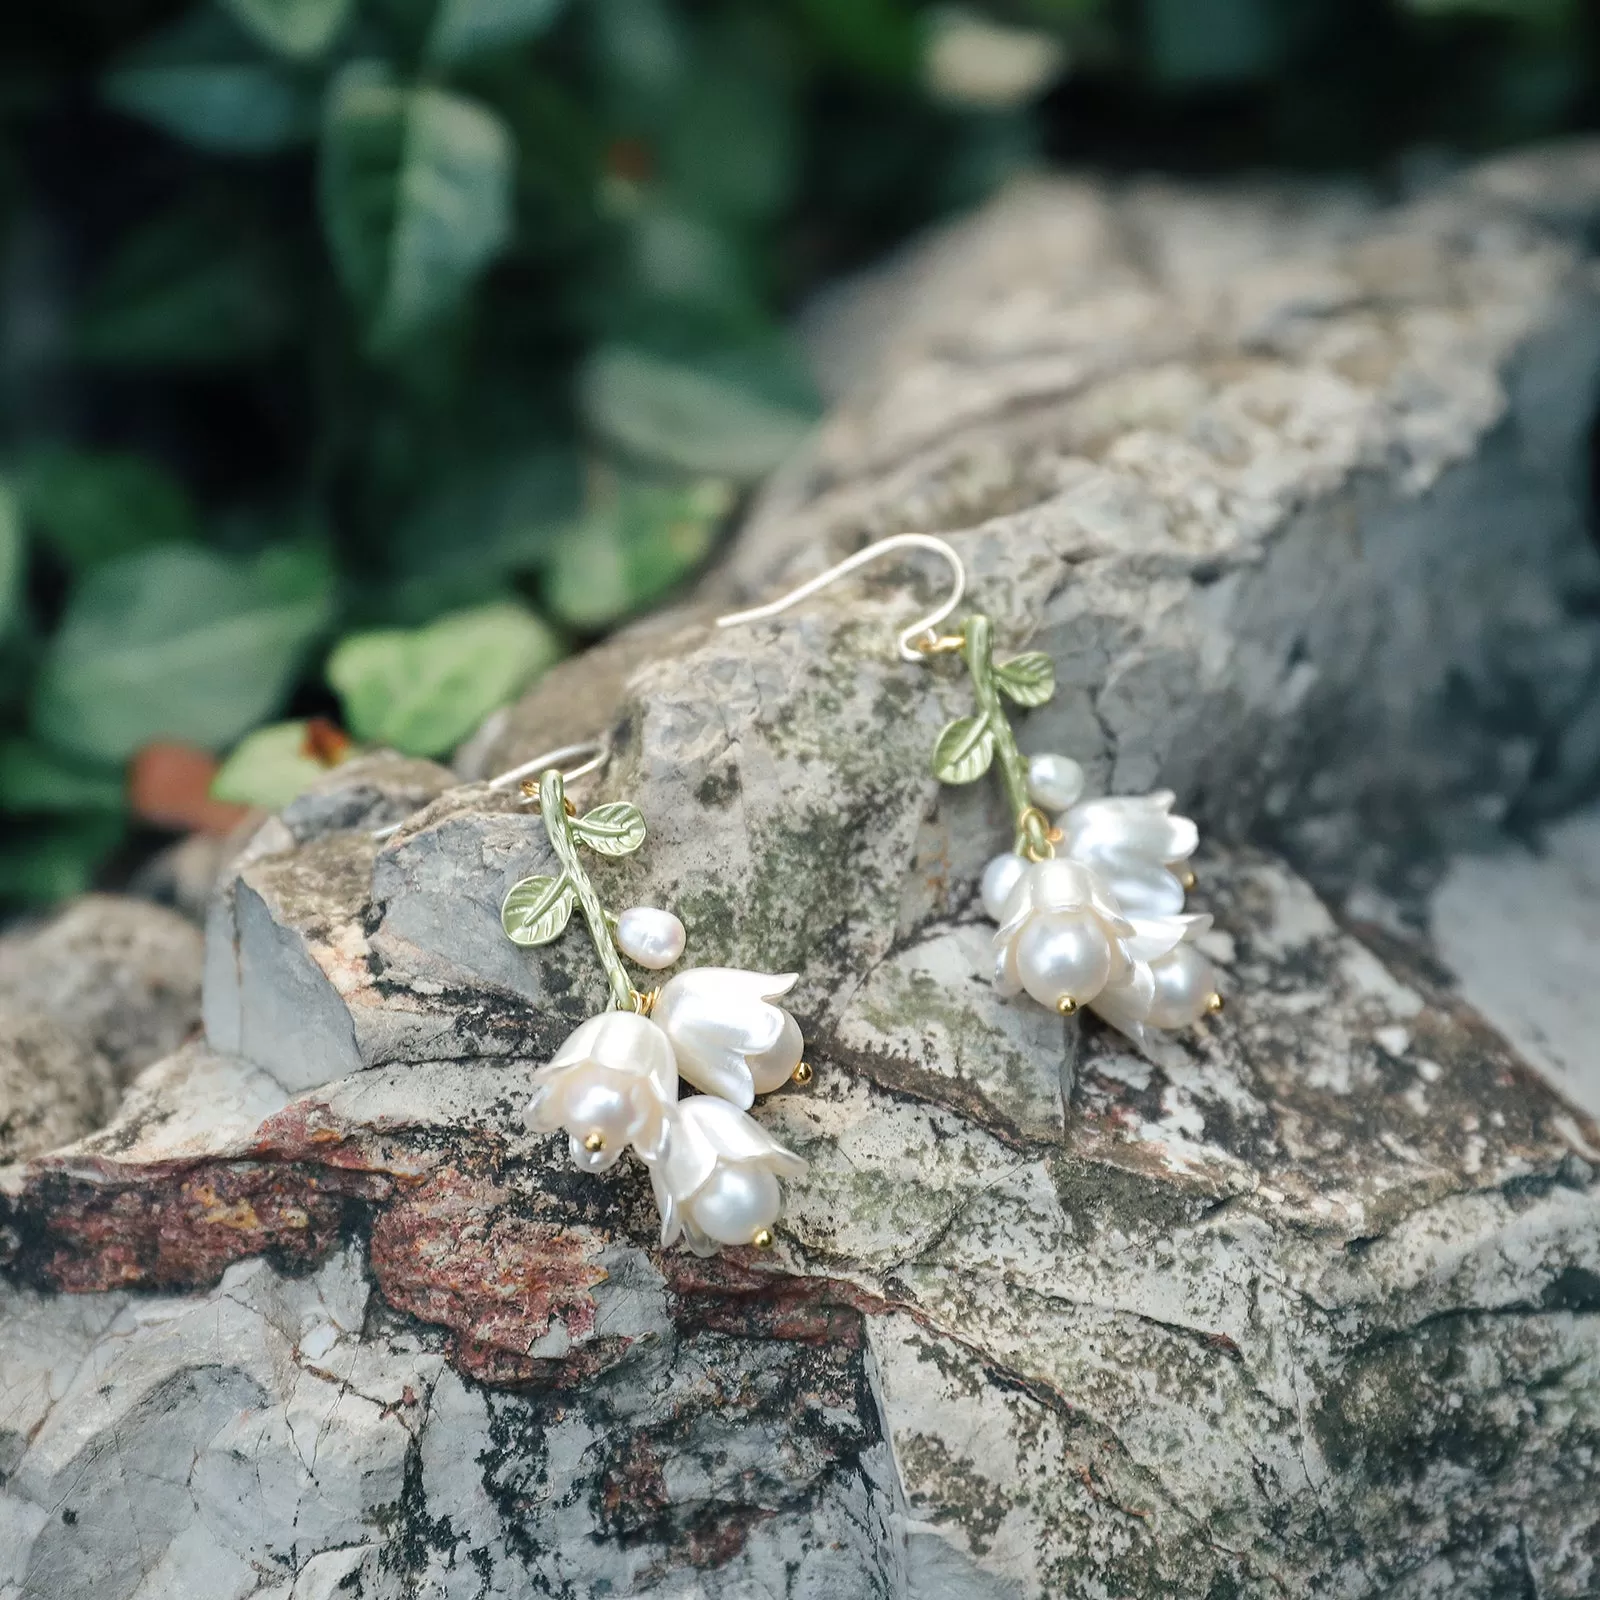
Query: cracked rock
{"points": [[1292, 484]]}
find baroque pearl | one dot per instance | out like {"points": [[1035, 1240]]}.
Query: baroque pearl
{"points": [[650, 936], [1000, 877], [771, 1068], [1063, 956], [600, 1106], [1185, 982], [735, 1202], [1054, 782]]}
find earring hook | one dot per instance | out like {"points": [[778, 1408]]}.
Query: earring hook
{"points": [[599, 753], [923, 627]]}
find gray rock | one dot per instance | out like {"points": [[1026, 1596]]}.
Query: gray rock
{"points": [[54, 1088], [1292, 486]]}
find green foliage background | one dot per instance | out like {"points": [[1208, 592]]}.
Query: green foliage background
{"points": [[359, 357]]}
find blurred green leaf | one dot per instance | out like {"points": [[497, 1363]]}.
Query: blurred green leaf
{"points": [[45, 861], [184, 289], [268, 768], [179, 643], [201, 81], [12, 558], [92, 507], [34, 778], [1212, 41], [425, 690], [301, 28], [878, 37], [463, 28], [693, 418], [416, 196], [631, 548]]}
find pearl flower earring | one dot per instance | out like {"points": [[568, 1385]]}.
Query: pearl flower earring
{"points": [[1089, 902], [613, 1085]]}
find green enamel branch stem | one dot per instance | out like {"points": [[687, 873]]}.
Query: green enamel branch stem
{"points": [[978, 652], [553, 807]]}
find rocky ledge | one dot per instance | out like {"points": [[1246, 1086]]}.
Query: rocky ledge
{"points": [[1293, 486]]}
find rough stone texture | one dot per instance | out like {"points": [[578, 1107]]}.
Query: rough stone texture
{"points": [[1293, 487], [54, 1088], [121, 975]]}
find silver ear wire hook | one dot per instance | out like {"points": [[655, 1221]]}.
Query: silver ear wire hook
{"points": [[597, 750], [923, 628]]}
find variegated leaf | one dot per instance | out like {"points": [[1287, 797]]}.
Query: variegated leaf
{"points": [[1029, 679], [536, 910], [614, 829], [964, 750]]}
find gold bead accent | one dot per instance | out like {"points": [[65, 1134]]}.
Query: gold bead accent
{"points": [[1214, 1004], [1187, 878], [594, 1143], [762, 1238], [567, 806], [802, 1075], [1067, 1006]]}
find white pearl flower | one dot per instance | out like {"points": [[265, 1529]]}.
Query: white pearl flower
{"points": [[610, 1085], [1132, 843], [1158, 979], [728, 1039], [1058, 929], [716, 1178]]}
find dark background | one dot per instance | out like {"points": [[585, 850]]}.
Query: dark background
{"points": [[360, 357]]}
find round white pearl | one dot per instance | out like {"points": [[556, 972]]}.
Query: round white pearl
{"points": [[1000, 877], [735, 1203], [650, 936], [1185, 983], [770, 1069], [1063, 957], [597, 1105], [1054, 782]]}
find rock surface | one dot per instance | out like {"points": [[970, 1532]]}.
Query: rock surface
{"points": [[1293, 487]]}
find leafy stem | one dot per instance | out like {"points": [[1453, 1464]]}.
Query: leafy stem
{"points": [[970, 745], [553, 808]]}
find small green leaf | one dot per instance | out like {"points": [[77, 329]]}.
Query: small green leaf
{"points": [[268, 768], [203, 82], [536, 910], [1028, 679], [463, 28], [691, 418], [35, 778], [630, 548], [424, 690], [92, 508], [178, 643], [12, 558], [614, 829], [964, 750], [300, 28], [416, 197]]}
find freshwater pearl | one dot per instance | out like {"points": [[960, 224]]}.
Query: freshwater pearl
{"points": [[598, 1105], [651, 937], [1185, 983], [1063, 957], [1054, 782], [770, 1069], [1000, 877], [735, 1202]]}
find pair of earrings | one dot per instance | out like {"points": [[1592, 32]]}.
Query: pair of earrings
{"points": [[1089, 906]]}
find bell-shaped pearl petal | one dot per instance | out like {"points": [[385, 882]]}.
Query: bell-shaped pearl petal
{"points": [[716, 1019], [707, 1137], [1054, 782], [1000, 877], [735, 1203], [771, 1069], [1063, 957], [611, 1084], [1184, 984], [651, 937]]}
